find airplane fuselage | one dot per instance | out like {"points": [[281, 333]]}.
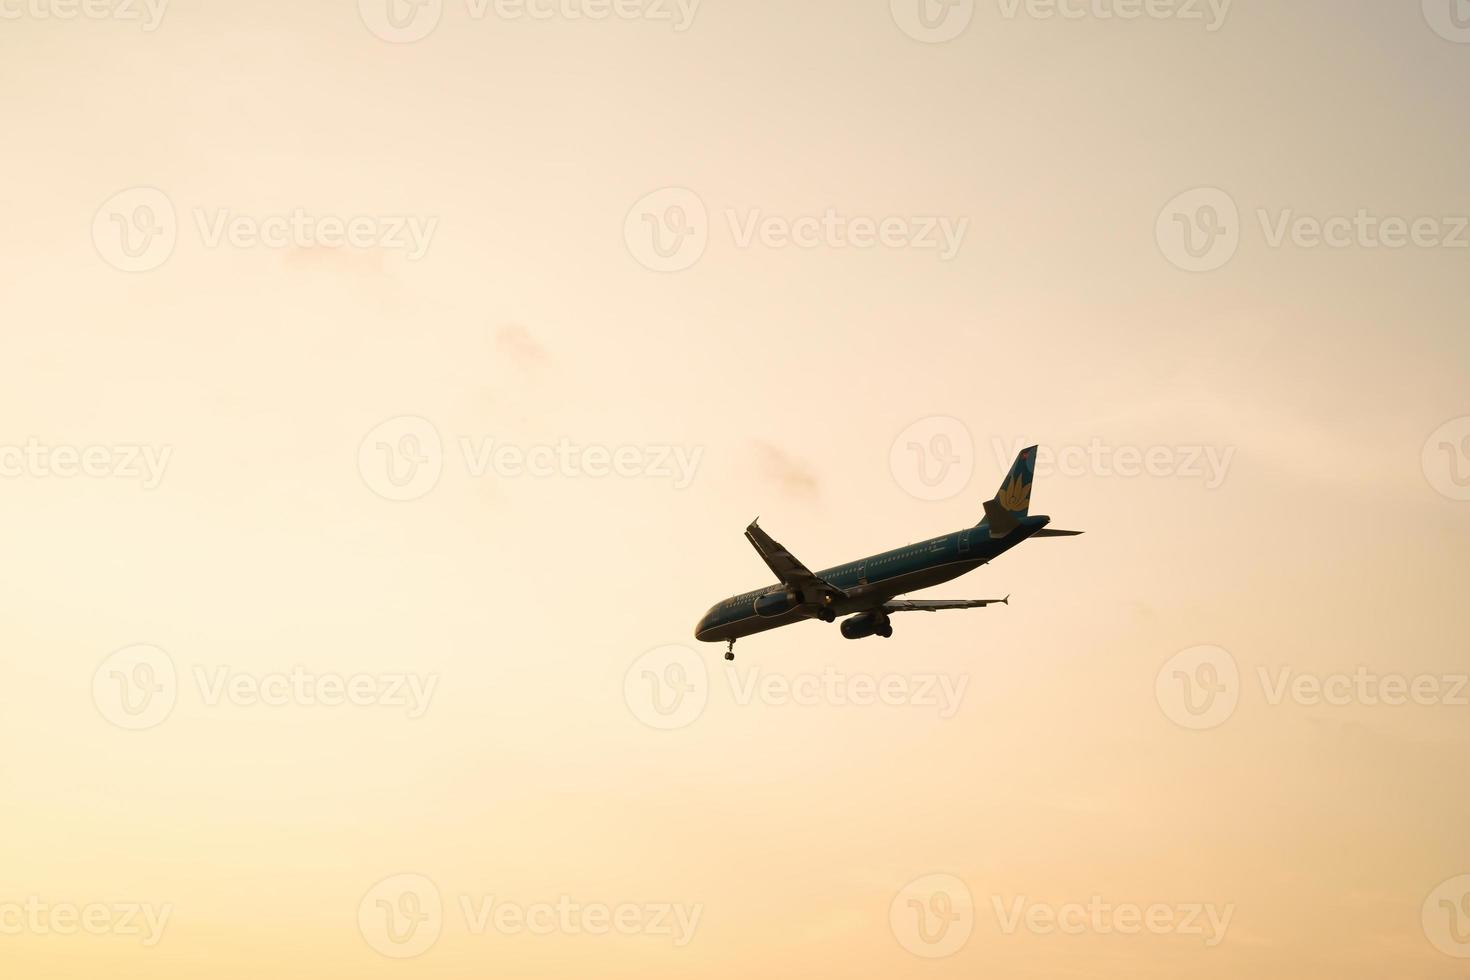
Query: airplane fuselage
{"points": [[869, 582]]}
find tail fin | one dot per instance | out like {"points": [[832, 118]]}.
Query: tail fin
{"points": [[1013, 499]]}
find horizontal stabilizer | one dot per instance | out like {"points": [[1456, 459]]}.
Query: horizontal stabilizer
{"points": [[1049, 532], [935, 605]]}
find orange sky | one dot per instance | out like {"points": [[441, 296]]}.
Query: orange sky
{"points": [[387, 390]]}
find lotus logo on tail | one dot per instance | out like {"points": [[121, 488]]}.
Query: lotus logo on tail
{"points": [[1015, 495]]}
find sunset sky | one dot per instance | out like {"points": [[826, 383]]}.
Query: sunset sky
{"points": [[387, 388]]}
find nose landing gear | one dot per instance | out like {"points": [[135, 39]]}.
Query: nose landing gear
{"points": [[730, 652]]}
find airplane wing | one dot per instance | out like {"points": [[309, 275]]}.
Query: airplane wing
{"points": [[935, 605], [790, 571]]}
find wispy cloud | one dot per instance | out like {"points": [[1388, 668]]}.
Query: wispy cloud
{"points": [[787, 472], [516, 343]]}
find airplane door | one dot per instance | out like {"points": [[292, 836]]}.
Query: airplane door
{"points": [[964, 543], [862, 571]]}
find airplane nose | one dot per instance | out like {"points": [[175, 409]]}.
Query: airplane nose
{"points": [[702, 627]]}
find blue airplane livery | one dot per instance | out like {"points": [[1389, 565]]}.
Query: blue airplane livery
{"points": [[866, 591]]}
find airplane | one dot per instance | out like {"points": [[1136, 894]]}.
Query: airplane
{"points": [[866, 591]]}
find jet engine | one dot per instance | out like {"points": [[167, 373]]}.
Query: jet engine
{"points": [[866, 624]]}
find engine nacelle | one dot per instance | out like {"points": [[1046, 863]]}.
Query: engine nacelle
{"points": [[774, 604], [864, 624]]}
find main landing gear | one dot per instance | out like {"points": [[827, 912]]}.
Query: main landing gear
{"points": [[730, 653]]}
